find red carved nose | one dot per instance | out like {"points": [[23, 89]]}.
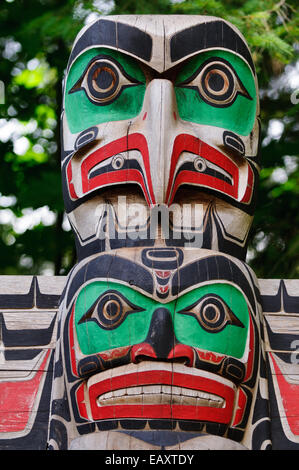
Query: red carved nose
{"points": [[161, 343], [145, 351], [182, 351], [141, 352]]}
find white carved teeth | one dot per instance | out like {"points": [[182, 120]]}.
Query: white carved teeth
{"points": [[160, 394]]}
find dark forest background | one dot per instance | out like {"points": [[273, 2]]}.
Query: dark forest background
{"points": [[35, 41]]}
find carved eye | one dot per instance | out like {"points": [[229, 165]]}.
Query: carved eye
{"points": [[109, 310], [216, 82], [212, 313], [103, 80]]}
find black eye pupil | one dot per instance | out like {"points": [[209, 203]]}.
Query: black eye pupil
{"points": [[216, 82], [103, 82], [210, 313], [104, 78], [112, 308]]}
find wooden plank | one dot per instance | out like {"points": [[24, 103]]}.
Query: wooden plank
{"points": [[284, 400]]}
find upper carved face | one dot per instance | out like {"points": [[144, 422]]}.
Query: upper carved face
{"points": [[161, 103]]}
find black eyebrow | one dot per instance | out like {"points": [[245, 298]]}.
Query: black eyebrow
{"points": [[206, 35], [114, 268], [212, 268], [114, 34]]}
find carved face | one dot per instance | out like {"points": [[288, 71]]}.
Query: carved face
{"points": [[162, 334], [169, 106]]}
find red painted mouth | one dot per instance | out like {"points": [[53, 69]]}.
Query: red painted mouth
{"points": [[185, 393]]}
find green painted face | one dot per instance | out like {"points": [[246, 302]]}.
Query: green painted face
{"points": [[213, 317], [103, 85], [217, 88]]}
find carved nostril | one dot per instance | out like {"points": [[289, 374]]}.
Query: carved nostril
{"points": [[161, 343], [142, 352], [160, 340], [183, 354]]}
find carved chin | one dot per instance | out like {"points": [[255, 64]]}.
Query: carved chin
{"points": [[161, 390]]}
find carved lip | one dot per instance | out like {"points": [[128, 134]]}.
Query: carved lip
{"points": [[161, 390]]}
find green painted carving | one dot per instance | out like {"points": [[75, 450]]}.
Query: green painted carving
{"points": [[81, 111], [239, 113], [214, 318]]}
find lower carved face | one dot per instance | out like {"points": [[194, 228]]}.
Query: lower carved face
{"points": [[180, 344]]}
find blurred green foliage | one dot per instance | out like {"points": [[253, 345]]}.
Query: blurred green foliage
{"points": [[35, 41]]}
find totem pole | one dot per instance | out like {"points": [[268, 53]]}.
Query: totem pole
{"points": [[165, 337], [160, 341]]}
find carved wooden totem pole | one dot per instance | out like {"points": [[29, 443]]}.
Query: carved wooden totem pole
{"points": [[165, 338]]}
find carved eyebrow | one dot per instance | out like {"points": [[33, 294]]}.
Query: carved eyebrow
{"points": [[215, 267], [114, 267], [207, 35], [114, 34]]}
